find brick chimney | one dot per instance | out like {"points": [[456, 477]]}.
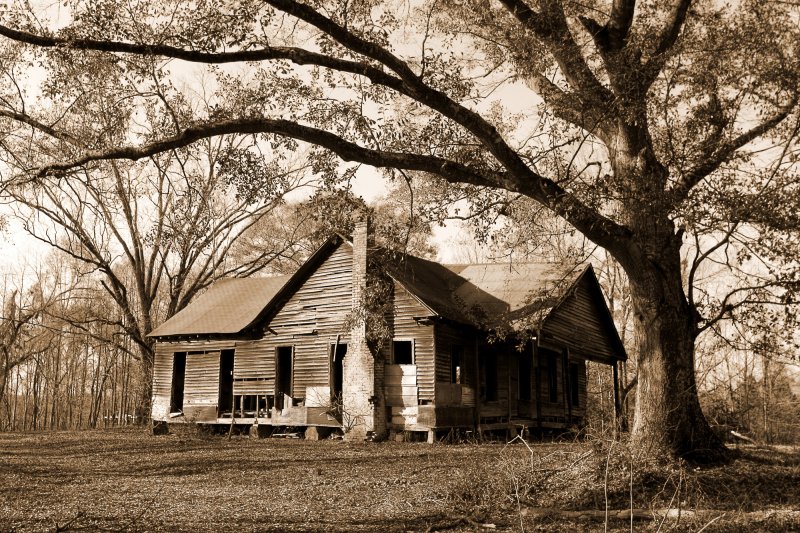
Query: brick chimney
{"points": [[362, 384]]}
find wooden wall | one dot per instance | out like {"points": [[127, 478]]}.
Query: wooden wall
{"points": [[309, 321], [447, 336], [201, 388], [406, 307], [578, 325], [203, 400]]}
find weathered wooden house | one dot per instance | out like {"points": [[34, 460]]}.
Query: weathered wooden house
{"points": [[292, 352]]}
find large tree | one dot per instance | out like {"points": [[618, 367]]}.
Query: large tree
{"points": [[619, 116]]}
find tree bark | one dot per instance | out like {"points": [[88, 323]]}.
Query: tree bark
{"points": [[668, 420]]}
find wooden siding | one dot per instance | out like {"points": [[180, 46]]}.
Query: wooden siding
{"points": [[578, 324], [162, 381], [446, 337], [406, 307], [253, 369], [309, 321], [201, 389]]}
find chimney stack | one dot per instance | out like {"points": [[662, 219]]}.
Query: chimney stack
{"points": [[362, 394]]}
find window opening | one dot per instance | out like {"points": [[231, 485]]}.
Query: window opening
{"points": [[456, 360], [403, 352]]}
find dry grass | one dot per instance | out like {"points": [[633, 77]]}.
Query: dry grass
{"points": [[126, 480]]}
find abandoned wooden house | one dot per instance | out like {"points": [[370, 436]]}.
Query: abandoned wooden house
{"points": [[475, 347]]}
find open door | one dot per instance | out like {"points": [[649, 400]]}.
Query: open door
{"points": [[178, 380], [283, 374], [338, 351], [225, 400]]}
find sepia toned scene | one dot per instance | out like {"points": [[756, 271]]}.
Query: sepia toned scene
{"points": [[429, 265]]}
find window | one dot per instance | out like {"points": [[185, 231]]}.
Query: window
{"points": [[403, 352], [178, 378], [552, 376], [525, 377], [574, 383], [456, 360]]}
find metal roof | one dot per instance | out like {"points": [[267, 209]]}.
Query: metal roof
{"points": [[483, 295], [228, 306], [486, 295]]}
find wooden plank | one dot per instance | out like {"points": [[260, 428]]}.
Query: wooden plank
{"points": [[162, 382], [202, 379]]}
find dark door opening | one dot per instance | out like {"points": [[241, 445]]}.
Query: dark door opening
{"points": [[225, 401], [525, 384], [338, 351], [178, 378], [283, 374]]}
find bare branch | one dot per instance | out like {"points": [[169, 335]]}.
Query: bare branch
{"points": [[550, 27], [666, 39], [725, 151]]}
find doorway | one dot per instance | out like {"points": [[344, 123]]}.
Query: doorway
{"points": [[225, 401], [283, 374]]}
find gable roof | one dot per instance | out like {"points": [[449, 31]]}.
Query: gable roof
{"points": [[228, 306], [489, 294]]}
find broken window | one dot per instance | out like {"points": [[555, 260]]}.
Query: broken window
{"points": [[456, 360], [403, 352], [178, 378]]}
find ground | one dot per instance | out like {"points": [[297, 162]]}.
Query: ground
{"points": [[128, 480]]}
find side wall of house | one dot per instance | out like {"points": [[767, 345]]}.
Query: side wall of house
{"points": [[450, 338], [404, 326], [579, 325], [309, 322], [201, 384]]}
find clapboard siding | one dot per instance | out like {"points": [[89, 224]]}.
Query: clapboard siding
{"points": [[406, 307], [201, 389], [446, 337], [578, 324], [253, 360], [309, 321], [162, 381]]}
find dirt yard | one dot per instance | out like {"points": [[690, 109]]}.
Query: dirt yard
{"points": [[127, 480]]}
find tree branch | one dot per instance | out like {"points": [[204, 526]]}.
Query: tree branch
{"points": [[724, 152], [550, 27], [666, 39]]}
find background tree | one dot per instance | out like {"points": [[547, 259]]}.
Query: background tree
{"points": [[640, 113]]}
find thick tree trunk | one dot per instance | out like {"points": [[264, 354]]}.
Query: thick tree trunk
{"points": [[668, 419]]}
